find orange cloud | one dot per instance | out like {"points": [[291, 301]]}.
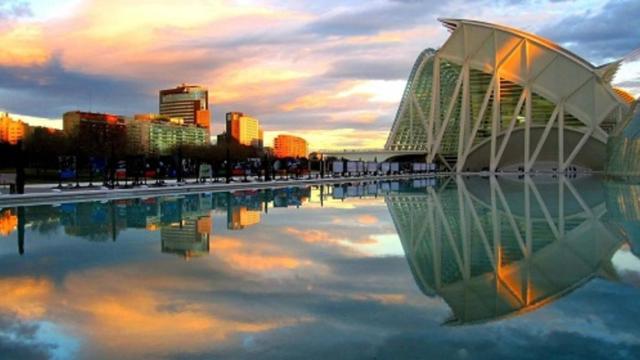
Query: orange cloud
{"points": [[23, 45], [25, 296], [318, 99], [254, 258], [313, 236], [399, 36], [124, 38], [142, 314], [383, 298], [256, 79], [349, 95], [341, 138], [127, 312], [367, 219], [254, 262]]}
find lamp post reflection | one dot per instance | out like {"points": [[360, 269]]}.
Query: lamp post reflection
{"points": [[21, 222]]}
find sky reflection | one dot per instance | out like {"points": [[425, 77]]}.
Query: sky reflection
{"points": [[288, 274]]}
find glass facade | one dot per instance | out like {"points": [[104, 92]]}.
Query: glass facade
{"points": [[410, 132], [188, 102], [623, 151], [158, 137]]}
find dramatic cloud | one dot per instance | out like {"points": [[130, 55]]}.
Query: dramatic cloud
{"points": [[375, 17], [320, 68], [58, 90], [371, 69], [600, 35]]}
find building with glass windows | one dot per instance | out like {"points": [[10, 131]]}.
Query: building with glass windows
{"points": [[500, 99], [623, 150], [154, 134], [189, 102], [188, 238]]}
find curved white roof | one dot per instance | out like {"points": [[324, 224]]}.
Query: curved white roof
{"points": [[453, 23], [530, 60]]}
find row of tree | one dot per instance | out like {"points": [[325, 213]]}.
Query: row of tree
{"points": [[42, 150]]}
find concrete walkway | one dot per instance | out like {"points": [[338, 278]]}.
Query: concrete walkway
{"points": [[41, 194]]}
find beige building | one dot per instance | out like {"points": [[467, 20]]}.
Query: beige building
{"points": [[244, 129], [11, 131], [241, 217]]}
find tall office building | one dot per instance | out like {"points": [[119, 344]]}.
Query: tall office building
{"points": [[290, 146], [244, 129], [11, 131], [189, 102]]}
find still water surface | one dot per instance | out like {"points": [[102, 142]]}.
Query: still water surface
{"points": [[441, 268]]}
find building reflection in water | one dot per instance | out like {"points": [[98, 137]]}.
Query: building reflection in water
{"points": [[8, 222], [184, 222], [187, 237], [243, 209], [490, 247], [498, 247], [242, 217], [623, 203]]}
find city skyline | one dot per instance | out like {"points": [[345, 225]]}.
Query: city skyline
{"points": [[321, 71]]}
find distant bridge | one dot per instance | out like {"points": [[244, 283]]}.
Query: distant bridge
{"points": [[379, 155]]}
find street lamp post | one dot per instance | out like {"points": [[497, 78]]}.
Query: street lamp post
{"points": [[20, 174]]}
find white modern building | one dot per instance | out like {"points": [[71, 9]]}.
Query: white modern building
{"points": [[497, 98]]}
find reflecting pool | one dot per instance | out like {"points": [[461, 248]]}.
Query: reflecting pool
{"points": [[451, 267]]}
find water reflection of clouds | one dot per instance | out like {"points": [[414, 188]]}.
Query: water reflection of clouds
{"points": [[255, 256], [295, 285]]}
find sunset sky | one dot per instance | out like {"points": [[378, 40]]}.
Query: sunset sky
{"points": [[330, 71]]}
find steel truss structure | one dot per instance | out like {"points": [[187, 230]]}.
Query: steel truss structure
{"points": [[494, 97], [510, 250]]}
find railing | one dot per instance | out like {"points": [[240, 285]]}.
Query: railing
{"points": [[347, 151], [9, 179]]}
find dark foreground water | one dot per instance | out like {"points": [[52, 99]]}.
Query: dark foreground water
{"points": [[468, 268]]}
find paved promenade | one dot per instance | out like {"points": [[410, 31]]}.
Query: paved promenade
{"points": [[39, 194]]}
